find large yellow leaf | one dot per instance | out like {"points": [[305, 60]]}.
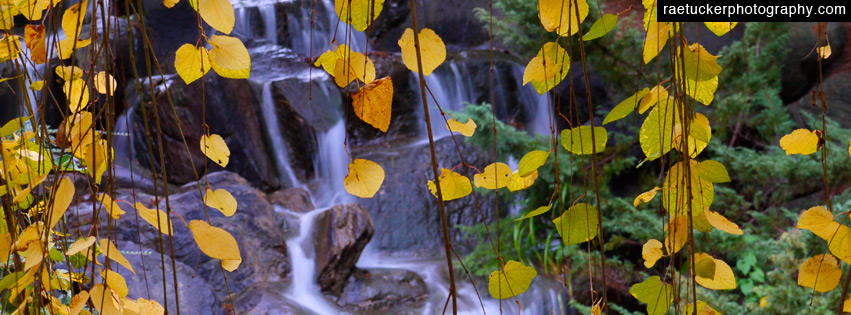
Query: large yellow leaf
{"points": [[157, 218], [359, 13], [626, 106], [72, 19], [651, 252], [720, 28], [364, 179], [77, 94], [700, 65], [62, 197], [532, 161], [540, 68], [373, 103], [820, 221], [800, 141], [67, 46], [359, 66], [582, 141], [701, 91], [215, 148], [111, 206], [10, 47], [578, 224], [513, 280], [657, 295], [191, 63], [218, 13], [34, 39], [33, 9], [821, 273], [553, 51], [560, 15], [222, 200], [213, 241], [452, 185], [106, 301], [467, 129], [111, 252], [723, 278], [115, 282], [78, 302], [655, 138], [432, 50], [657, 37], [494, 176], [229, 57]]}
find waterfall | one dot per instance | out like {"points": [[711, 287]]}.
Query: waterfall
{"points": [[449, 89], [273, 131], [326, 27], [534, 103], [332, 167]]}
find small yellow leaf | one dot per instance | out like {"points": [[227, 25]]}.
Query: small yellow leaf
{"points": [[111, 252], [111, 206], [170, 3], [495, 176], [560, 15], [105, 83], [229, 57], [582, 141], [657, 295], [654, 42], [656, 94], [222, 200], [540, 68], [214, 242], [553, 51], [601, 27], [532, 161], [364, 179], [359, 13], [432, 50], [723, 278], [452, 185], [373, 103], [215, 148], [80, 245], [77, 94], [69, 73], [800, 141], [359, 66], [651, 252], [34, 254], [578, 224], [62, 197], [467, 129], [645, 197], [534, 213], [157, 218], [824, 51], [821, 273], [720, 28], [150, 307], [231, 264], [37, 85], [191, 63], [720, 222], [218, 14], [517, 182], [513, 280]]}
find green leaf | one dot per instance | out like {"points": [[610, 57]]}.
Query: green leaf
{"points": [[56, 255], [705, 268], [579, 140], [13, 125], [531, 162], [625, 107], [657, 295], [536, 212], [713, 171], [578, 224], [601, 27], [515, 280]]}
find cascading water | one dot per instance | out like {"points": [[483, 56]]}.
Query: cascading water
{"points": [[536, 104], [267, 106], [448, 90]]}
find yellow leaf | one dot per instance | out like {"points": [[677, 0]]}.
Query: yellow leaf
{"points": [[702, 91], [33, 9], [517, 182], [699, 135], [373, 103], [702, 309], [359, 13], [601, 27], [34, 39], [231, 264], [80, 245], [66, 47], [153, 217], [97, 159], [651, 252], [645, 197], [723, 278], [214, 242], [229, 57], [700, 65], [105, 300], [452, 185], [222, 200], [111, 252], [72, 19], [656, 139], [364, 179], [432, 50], [578, 224], [676, 197], [540, 68], [704, 266], [115, 282], [824, 51], [191, 63], [513, 280], [820, 221], [676, 234], [77, 94], [105, 83], [215, 148], [560, 15], [800, 141], [34, 254], [657, 295], [79, 301], [534, 213], [62, 197], [720, 28], [150, 307], [495, 176], [597, 309], [553, 51], [626, 107], [656, 94], [713, 171], [467, 129], [10, 47], [334, 62], [170, 3], [218, 14], [5, 247], [532, 161], [821, 273], [111, 206], [720, 222], [582, 141], [657, 37], [37, 85], [69, 73]]}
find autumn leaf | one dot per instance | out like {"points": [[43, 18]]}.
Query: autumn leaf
{"points": [[517, 182], [432, 50], [155, 217], [72, 19], [645, 197], [215, 148], [720, 222], [373, 103], [657, 94], [579, 140], [800, 141], [37, 85], [553, 51], [722, 277], [78, 302], [820, 221], [191, 63], [713, 171], [115, 282], [676, 234], [626, 106], [534, 213], [704, 266], [578, 224], [494, 176], [221, 200], [359, 13], [359, 65], [540, 68], [532, 161], [66, 47], [229, 57], [720, 28], [80, 245], [657, 295], [77, 94], [821, 273], [699, 64], [111, 206], [601, 27], [105, 83], [105, 300], [34, 39], [467, 129], [214, 242], [62, 198], [364, 179], [513, 280], [651, 252], [452, 185], [111, 252], [702, 309], [560, 15], [656, 133], [654, 42], [824, 51], [701, 91], [10, 47], [218, 14], [69, 73]]}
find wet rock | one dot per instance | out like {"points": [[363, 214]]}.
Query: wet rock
{"points": [[385, 290], [229, 110], [266, 299], [838, 101], [341, 234], [800, 67], [454, 20], [405, 212], [167, 30], [294, 199]]}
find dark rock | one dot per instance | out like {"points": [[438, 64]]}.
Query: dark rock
{"points": [[800, 67], [294, 199], [341, 234], [266, 298], [167, 29], [838, 101], [577, 111], [386, 290], [453, 20]]}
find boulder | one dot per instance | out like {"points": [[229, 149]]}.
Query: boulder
{"points": [[293, 199], [266, 298], [341, 234], [386, 290], [453, 20], [800, 66], [838, 100]]}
